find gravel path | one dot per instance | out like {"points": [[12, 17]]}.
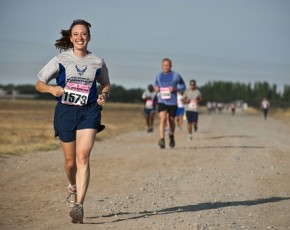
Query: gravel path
{"points": [[234, 174]]}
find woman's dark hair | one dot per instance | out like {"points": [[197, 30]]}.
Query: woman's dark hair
{"points": [[64, 42]]}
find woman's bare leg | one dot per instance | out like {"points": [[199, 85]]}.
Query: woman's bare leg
{"points": [[84, 143], [69, 151]]}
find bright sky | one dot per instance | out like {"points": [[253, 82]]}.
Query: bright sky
{"points": [[208, 40]]}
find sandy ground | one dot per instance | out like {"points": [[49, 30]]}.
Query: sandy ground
{"points": [[234, 174]]}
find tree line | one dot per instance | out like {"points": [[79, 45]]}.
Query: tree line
{"points": [[222, 91], [218, 91]]}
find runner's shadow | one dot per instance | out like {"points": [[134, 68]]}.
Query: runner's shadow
{"points": [[216, 205], [187, 208]]}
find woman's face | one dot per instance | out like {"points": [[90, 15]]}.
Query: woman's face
{"points": [[80, 37]]}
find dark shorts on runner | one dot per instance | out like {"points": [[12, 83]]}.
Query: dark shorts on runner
{"points": [[70, 118], [171, 109], [191, 116]]}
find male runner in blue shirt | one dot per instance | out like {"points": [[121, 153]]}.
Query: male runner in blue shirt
{"points": [[167, 84]]}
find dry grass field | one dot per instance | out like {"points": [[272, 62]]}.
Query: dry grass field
{"points": [[27, 125], [283, 114]]}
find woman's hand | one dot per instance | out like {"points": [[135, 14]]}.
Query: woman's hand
{"points": [[56, 91]]}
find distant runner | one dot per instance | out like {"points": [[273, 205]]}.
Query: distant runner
{"points": [[167, 84], [180, 109], [150, 99], [192, 98], [265, 105]]}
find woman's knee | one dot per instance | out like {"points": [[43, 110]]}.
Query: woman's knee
{"points": [[83, 157]]}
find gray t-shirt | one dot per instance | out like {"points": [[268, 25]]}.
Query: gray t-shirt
{"points": [[193, 96]]}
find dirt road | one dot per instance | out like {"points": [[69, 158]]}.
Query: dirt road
{"points": [[234, 174]]}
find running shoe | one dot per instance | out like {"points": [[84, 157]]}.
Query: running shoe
{"points": [[161, 143], [77, 214], [171, 141], [71, 199]]}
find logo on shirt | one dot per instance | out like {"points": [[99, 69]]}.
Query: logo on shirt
{"points": [[81, 71]]}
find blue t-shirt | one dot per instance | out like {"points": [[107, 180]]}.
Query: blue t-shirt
{"points": [[164, 80]]}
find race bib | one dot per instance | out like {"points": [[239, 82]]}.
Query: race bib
{"points": [[75, 94], [192, 104], [165, 93], [149, 104]]}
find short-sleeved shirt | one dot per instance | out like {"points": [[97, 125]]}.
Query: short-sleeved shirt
{"points": [[149, 99], [78, 76], [193, 96]]}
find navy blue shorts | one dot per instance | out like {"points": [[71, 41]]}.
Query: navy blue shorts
{"points": [[70, 118], [191, 116]]}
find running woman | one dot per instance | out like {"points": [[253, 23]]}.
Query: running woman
{"points": [[149, 97], [192, 98], [167, 84], [78, 111]]}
